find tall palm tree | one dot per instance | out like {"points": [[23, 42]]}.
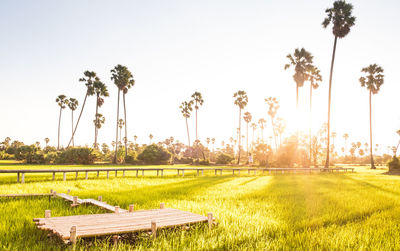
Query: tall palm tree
{"points": [[372, 80], [208, 140], [314, 76], [241, 101], [135, 138], [61, 101], [261, 122], [123, 79], [340, 16], [273, 106], [98, 122], [72, 104], [247, 118], [88, 78], [280, 127], [100, 90], [346, 137], [213, 143], [46, 140], [121, 124], [301, 60], [198, 100], [151, 137], [254, 127], [186, 108]]}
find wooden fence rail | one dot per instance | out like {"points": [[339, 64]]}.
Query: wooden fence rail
{"points": [[160, 171]]}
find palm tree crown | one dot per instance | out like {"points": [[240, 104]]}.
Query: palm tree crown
{"points": [[301, 60], [341, 18], [373, 78]]}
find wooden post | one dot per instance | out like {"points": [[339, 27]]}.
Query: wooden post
{"points": [[108, 174], [76, 175], [54, 176], [154, 229], [162, 205], [98, 173], [215, 172], [198, 172], [183, 172], [202, 172], [72, 236], [178, 172], [116, 173], [157, 172], [239, 171], [220, 171], [117, 209], [74, 201], [248, 171], [115, 240], [100, 198], [51, 191], [18, 177], [131, 208], [233, 171], [47, 214], [123, 173], [210, 220], [68, 191], [23, 178], [64, 176], [162, 172], [142, 172], [137, 171], [86, 175]]}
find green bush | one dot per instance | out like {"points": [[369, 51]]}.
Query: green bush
{"points": [[224, 159], [131, 157], [77, 155], [6, 156], [154, 154], [394, 164], [50, 157], [29, 154]]}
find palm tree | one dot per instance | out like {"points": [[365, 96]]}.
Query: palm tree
{"points": [[261, 122], [342, 20], [151, 137], [198, 100], [46, 140], [241, 100], [98, 122], [346, 137], [273, 106], [372, 80], [135, 138], [301, 60], [61, 101], [280, 126], [254, 127], [247, 118], [121, 124], [314, 76], [88, 79], [186, 108], [213, 143], [72, 104], [208, 142], [123, 79], [100, 90]]}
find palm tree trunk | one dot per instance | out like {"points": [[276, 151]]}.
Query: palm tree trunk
{"points": [[59, 125], [329, 104], [116, 134], [196, 121], [72, 127], [239, 137], [247, 137], [370, 130], [273, 131], [126, 130], [187, 129], [95, 124], [309, 132], [79, 118]]}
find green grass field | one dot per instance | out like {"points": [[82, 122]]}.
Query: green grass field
{"points": [[319, 211]]}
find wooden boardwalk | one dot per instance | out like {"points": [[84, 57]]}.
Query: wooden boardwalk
{"points": [[180, 171], [69, 228]]}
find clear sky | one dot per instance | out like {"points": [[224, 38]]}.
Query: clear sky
{"points": [[174, 48]]}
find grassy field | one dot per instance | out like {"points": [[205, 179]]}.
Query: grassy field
{"points": [[318, 211]]}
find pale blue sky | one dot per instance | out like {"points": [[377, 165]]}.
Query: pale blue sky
{"points": [[175, 48]]}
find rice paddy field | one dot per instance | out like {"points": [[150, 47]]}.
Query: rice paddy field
{"points": [[321, 211]]}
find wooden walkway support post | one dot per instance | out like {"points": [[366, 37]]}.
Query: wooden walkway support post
{"points": [[162, 205], [98, 173], [123, 173], [100, 198], [54, 176], [115, 241], [47, 214], [117, 209], [137, 172], [142, 172], [108, 174], [183, 172], [131, 208], [210, 220], [74, 201], [86, 175], [154, 229], [17, 177], [162, 172], [116, 172], [72, 235], [220, 171], [64, 176], [215, 172], [23, 178]]}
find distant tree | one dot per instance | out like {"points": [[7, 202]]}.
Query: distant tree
{"points": [[104, 148], [61, 100], [46, 140], [123, 79], [315, 78], [100, 90], [254, 128], [261, 122], [121, 124], [372, 80], [88, 79], [208, 140], [340, 16], [186, 108], [280, 126], [346, 137], [273, 106], [151, 138], [247, 118], [241, 100], [72, 105], [213, 143], [197, 99]]}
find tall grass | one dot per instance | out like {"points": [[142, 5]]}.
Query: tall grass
{"points": [[296, 211]]}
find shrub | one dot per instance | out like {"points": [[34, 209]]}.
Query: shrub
{"points": [[224, 159], [154, 154], [131, 158], [394, 164], [5, 156], [204, 162], [50, 157], [183, 160], [29, 154], [77, 155]]}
